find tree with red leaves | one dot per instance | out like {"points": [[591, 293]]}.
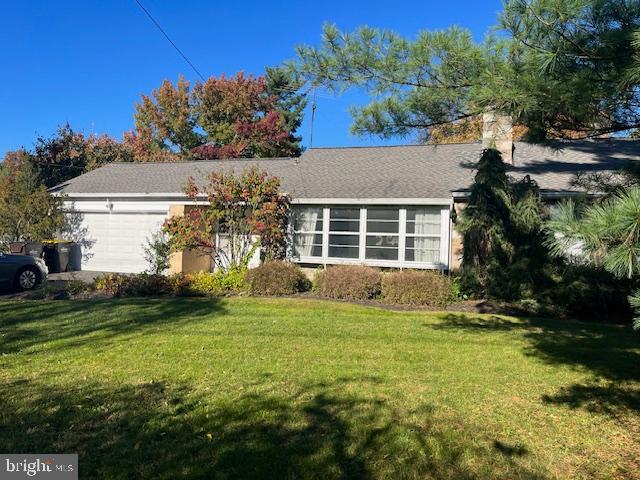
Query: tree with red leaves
{"points": [[225, 117], [248, 210]]}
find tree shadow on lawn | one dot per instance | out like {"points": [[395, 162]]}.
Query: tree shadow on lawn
{"points": [[158, 430], [26, 325], [611, 353]]}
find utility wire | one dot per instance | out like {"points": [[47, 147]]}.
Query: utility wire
{"points": [[169, 39]]}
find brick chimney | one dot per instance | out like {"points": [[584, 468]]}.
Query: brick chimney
{"points": [[497, 132]]}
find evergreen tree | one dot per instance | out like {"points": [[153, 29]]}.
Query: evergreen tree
{"points": [[562, 68], [604, 235], [501, 227]]}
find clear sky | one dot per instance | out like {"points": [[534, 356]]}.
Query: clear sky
{"points": [[87, 62]]}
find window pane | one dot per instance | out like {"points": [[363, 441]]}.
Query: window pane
{"points": [[307, 219], [344, 226], [307, 244], [423, 221], [343, 252], [308, 239], [382, 241], [423, 229], [345, 214], [428, 243], [351, 240], [424, 250], [382, 227], [420, 213], [375, 253], [382, 213], [308, 250], [422, 256]]}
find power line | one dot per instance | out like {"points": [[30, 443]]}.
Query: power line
{"points": [[169, 39]]}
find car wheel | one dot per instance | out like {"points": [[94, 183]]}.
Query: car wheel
{"points": [[27, 279]]}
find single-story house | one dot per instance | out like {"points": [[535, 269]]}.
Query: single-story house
{"points": [[381, 206]]}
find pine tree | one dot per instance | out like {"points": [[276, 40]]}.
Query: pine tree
{"points": [[562, 68], [604, 235]]}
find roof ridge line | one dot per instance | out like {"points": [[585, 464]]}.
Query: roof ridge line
{"points": [[182, 162], [394, 146]]}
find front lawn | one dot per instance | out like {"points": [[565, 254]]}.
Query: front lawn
{"points": [[284, 388]]}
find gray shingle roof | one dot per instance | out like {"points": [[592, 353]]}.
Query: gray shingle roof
{"points": [[418, 171]]}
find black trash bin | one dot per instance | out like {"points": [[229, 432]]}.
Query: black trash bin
{"points": [[75, 258], [57, 254]]}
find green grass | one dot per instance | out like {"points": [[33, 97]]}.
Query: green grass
{"points": [[284, 388]]}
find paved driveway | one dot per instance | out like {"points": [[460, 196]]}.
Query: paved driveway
{"points": [[55, 279], [85, 276]]}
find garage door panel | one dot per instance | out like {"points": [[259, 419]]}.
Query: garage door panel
{"points": [[116, 240]]}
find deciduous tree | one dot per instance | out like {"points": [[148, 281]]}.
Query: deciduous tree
{"points": [[248, 210], [27, 210], [69, 153], [240, 116]]}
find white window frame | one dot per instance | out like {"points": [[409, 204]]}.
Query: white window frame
{"points": [[366, 233], [421, 235], [344, 233], [309, 232], [325, 259]]}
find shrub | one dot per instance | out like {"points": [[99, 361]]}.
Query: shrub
{"points": [[156, 252], [112, 283], [141, 285], [217, 283], [77, 287], [589, 294], [349, 282], [414, 287], [179, 284], [276, 277]]}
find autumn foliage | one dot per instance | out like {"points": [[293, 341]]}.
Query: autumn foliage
{"points": [[225, 117], [248, 210]]}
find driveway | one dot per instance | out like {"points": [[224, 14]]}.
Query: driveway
{"points": [[85, 276], [55, 279]]}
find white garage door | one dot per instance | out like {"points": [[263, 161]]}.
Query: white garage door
{"points": [[114, 241]]}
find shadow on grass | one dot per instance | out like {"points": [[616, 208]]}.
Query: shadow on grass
{"points": [[610, 353], [157, 430], [613, 400], [23, 325]]}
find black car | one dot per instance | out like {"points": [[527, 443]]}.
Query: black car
{"points": [[21, 272]]}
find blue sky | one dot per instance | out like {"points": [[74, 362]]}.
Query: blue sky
{"points": [[88, 62]]}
